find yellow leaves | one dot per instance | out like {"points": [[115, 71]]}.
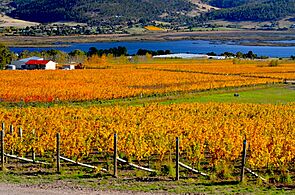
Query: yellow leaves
{"points": [[113, 83], [218, 129]]}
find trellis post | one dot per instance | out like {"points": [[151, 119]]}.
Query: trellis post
{"points": [[58, 152], [115, 156], [243, 160], [177, 159]]}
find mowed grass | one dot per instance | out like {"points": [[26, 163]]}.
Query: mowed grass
{"points": [[268, 95], [264, 94]]}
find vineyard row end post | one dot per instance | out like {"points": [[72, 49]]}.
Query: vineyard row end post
{"points": [[115, 156], [33, 151], [3, 127], [2, 150], [243, 160], [177, 159], [58, 152]]}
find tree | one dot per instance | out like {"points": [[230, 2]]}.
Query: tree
{"points": [[92, 61], [211, 54], [148, 56], [103, 60], [273, 63], [24, 54], [77, 56], [6, 56], [239, 54], [92, 51], [251, 55]]}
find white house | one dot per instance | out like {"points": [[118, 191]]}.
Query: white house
{"points": [[40, 64]]}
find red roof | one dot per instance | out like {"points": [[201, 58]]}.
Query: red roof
{"points": [[37, 62]]}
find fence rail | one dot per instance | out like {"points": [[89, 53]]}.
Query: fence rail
{"points": [[116, 159]]}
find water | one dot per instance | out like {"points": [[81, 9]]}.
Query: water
{"points": [[283, 41], [184, 46]]}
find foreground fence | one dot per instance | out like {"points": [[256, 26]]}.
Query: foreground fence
{"points": [[115, 159]]}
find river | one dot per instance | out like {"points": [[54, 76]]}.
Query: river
{"points": [[183, 46]]}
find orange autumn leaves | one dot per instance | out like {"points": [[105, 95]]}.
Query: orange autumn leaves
{"points": [[149, 130], [104, 84], [250, 68]]}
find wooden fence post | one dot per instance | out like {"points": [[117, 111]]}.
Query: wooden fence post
{"points": [[11, 129], [58, 152], [33, 151], [11, 133], [243, 160], [20, 133], [3, 127], [115, 156], [177, 159], [2, 150], [3, 131]]}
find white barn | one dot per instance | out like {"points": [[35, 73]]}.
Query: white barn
{"points": [[40, 64]]}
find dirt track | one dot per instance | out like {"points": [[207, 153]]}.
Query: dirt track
{"points": [[56, 188]]}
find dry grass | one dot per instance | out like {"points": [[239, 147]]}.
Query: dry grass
{"points": [[7, 21]]}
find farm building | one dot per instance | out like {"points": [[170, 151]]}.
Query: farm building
{"points": [[10, 67], [40, 64], [190, 56], [182, 56], [21, 64], [68, 67]]}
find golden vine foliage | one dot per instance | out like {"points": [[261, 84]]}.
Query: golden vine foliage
{"points": [[253, 68], [102, 84], [217, 128]]}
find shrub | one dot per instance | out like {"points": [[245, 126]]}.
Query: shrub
{"points": [[273, 63]]}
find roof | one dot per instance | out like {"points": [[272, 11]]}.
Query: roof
{"points": [[182, 55], [31, 58], [37, 62]]}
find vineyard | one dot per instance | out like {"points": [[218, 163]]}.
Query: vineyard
{"points": [[210, 134], [152, 129], [131, 81], [260, 69]]}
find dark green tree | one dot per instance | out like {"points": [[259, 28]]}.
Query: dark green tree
{"points": [[6, 56]]}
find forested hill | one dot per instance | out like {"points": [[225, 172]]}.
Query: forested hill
{"points": [[230, 3], [250, 10], [128, 12], [100, 11]]}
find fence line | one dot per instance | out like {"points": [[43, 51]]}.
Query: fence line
{"points": [[116, 159]]}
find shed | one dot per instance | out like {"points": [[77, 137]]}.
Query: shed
{"points": [[10, 67], [68, 67]]}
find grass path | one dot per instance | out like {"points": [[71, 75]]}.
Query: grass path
{"points": [[261, 94], [270, 95]]}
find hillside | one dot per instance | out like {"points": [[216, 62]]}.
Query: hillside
{"points": [[250, 10], [100, 12], [229, 3], [130, 12]]}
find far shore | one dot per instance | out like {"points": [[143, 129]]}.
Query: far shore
{"points": [[246, 37]]}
